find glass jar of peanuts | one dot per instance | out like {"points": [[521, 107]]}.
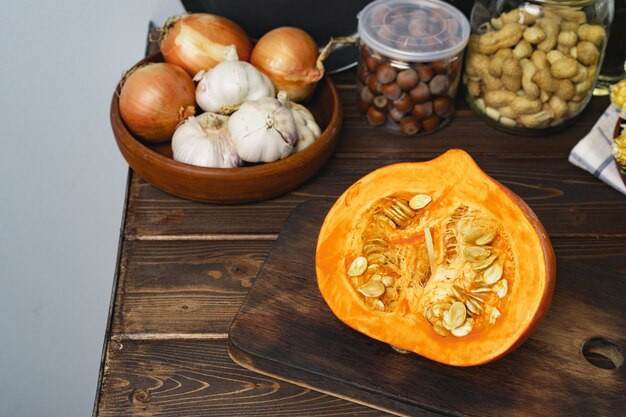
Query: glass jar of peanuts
{"points": [[409, 70], [531, 65]]}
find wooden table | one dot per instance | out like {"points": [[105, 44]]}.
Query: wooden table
{"points": [[184, 268]]}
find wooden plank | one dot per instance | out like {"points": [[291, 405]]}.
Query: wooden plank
{"points": [[466, 131], [284, 321], [196, 287], [197, 378], [184, 286], [552, 188]]}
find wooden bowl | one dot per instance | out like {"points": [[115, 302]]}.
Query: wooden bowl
{"points": [[154, 162]]}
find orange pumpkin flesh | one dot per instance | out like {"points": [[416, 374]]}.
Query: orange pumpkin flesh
{"points": [[459, 311]]}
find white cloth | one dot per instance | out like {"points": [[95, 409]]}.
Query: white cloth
{"points": [[593, 152]]}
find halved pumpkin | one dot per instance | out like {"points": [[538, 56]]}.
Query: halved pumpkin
{"points": [[436, 258]]}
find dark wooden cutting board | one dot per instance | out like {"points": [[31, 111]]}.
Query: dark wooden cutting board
{"points": [[286, 330]]}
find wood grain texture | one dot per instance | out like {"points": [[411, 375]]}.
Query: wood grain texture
{"points": [[184, 287], [162, 356], [283, 322], [196, 287], [197, 378], [568, 200]]}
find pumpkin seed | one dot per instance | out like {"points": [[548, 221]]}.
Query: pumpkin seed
{"points": [[457, 315], [476, 253], [440, 330], [492, 274], [406, 209], [385, 221], [475, 297], [372, 289], [419, 201], [473, 234], [464, 225], [479, 290], [501, 288], [484, 264], [401, 214], [376, 277], [493, 315], [378, 242], [387, 281], [465, 329], [438, 309], [379, 305], [393, 216], [377, 258], [473, 306], [486, 238], [369, 249], [358, 266], [456, 292], [397, 349]]}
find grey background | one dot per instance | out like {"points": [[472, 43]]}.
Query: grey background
{"points": [[62, 184]]}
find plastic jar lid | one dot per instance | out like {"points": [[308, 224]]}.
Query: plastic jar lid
{"points": [[413, 30]]}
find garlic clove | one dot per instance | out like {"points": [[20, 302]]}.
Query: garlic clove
{"points": [[263, 130], [204, 141], [307, 129], [226, 86]]}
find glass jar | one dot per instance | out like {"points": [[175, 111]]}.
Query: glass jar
{"points": [[531, 65], [409, 69]]}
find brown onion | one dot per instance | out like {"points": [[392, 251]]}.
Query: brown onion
{"points": [[154, 98], [196, 41], [289, 57]]}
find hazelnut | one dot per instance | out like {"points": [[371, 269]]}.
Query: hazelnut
{"points": [[366, 95], [380, 103], [420, 93], [407, 79], [425, 72], [362, 74], [373, 84], [431, 123], [385, 73], [439, 84], [442, 105], [404, 103], [392, 91], [371, 62], [396, 115], [399, 23], [418, 28], [409, 126], [422, 111], [440, 66], [375, 118], [435, 26], [378, 14]]}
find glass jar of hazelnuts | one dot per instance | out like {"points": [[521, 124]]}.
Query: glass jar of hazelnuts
{"points": [[411, 54], [531, 66]]}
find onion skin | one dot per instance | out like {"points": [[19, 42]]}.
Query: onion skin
{"points": [[196, 42], [155, 98], [288, 56]]}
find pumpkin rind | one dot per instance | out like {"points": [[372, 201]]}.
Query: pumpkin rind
{"points": [[452, 180]]}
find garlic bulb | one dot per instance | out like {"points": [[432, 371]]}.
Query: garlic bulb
{"points": [[224, 87], [263, 130], [306, 127], [204, 141]]}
